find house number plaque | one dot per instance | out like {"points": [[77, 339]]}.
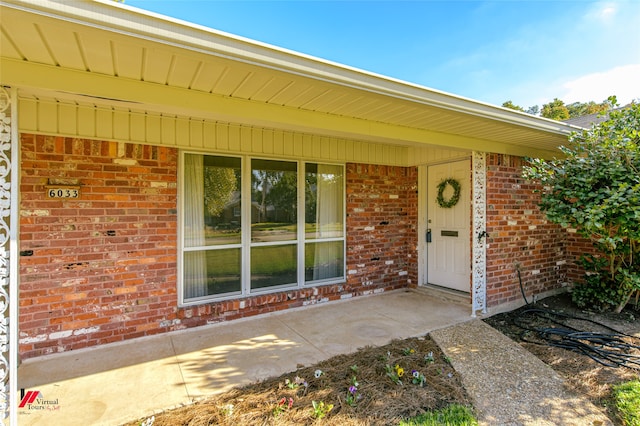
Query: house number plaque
{"points": [[63, 191]]}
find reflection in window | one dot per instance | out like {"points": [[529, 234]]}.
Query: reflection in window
{"points": [[212, 272], [212, 197], [273, 265], [274, 206], [211, 194]]}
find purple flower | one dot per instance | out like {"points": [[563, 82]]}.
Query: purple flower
{"points": [[353, 390]]}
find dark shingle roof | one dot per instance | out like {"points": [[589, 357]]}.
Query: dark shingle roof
{"points": [[586, 121]]}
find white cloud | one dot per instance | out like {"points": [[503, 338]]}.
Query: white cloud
{"points": [[598, 56], [622, 81], [604, 13]]}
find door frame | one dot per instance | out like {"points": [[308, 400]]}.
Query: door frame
{"points": [[478, 227], [455, 273]]}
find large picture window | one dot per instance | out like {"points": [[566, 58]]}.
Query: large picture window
{"points": [[252, 225]]}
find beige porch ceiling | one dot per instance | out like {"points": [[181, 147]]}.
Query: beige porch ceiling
{"points": [[109, 54]]}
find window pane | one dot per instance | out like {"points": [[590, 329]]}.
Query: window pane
{"points": [[222, 201], [323, 261], [324, 195], [273, 265], [274, 197], [212, 202], [211, 272]]}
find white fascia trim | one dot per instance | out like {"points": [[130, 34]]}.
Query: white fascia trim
{"points": [[130, 21]]}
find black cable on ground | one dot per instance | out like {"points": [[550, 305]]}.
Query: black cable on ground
{"points": [[614, 349]]}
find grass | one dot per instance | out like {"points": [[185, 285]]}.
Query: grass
{"points": [[453, 415], [627, 401]]}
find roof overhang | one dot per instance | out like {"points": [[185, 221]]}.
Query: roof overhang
{"points": [[107, 53]]}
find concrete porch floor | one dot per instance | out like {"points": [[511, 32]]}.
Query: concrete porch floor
{"points": [[121, 382]]}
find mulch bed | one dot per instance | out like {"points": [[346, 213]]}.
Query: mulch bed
{"points": [[378, 399]]}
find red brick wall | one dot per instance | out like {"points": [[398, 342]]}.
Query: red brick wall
{"points": [[577, 246], [102, 268], [519, 235], [382, 217]]}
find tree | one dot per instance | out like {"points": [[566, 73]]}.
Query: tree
{"points": [[283, 196], [578, 109], [595, 188], [555, 110], [533, 110], [261, 183], [511, 105], [219, 185]]}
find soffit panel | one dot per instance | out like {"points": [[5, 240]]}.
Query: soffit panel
{"points": [[309, 94], [252, 84], [230, 79], [273, 84], [390, 111], [182, 71], [289, 92], [46, 40], [157, 66], [128, 60], [64, 48], [7, 46], [97, 52], [318, 99], [367, 107], [26, 38], [209, 76]]}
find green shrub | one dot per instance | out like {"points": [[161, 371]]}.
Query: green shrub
{"points": [[594, 188], [599, 293]]}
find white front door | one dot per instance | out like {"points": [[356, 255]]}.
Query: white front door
{"points": [[448, 252]]}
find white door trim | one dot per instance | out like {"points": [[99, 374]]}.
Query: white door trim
{"points": [[422, 225]]}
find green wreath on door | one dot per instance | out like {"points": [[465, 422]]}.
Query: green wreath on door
{"points": [[453, 200]]}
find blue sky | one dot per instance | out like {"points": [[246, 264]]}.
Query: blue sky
{"points": [[528, 52]]}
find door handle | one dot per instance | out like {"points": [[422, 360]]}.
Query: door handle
{"points": [[429, 235]]}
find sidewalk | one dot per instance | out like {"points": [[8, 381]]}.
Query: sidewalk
{"points": [[509, 385], [125, 381]]}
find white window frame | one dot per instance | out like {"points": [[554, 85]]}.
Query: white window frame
{"points": [[246, 243]]}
